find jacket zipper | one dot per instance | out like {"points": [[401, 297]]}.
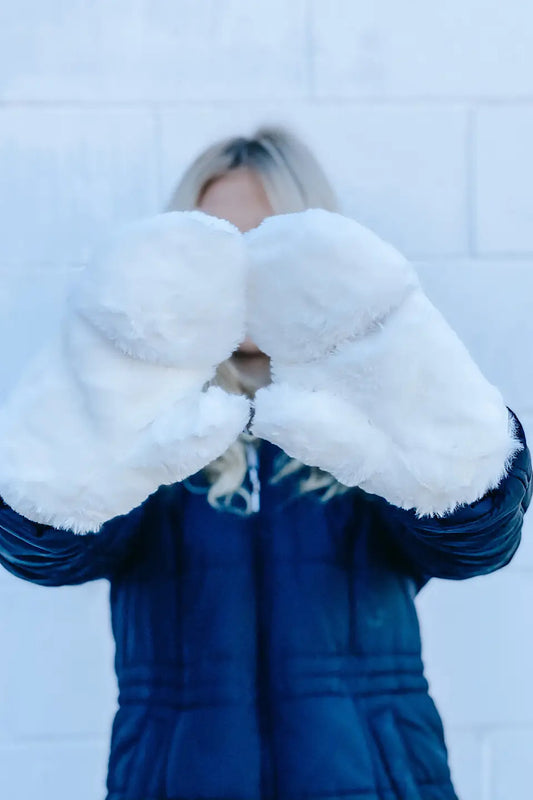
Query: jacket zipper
{"points": [[263, 715], [262, 671]]}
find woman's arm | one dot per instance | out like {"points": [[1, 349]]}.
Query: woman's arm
{"points": [[476, 538], [49, 556]]}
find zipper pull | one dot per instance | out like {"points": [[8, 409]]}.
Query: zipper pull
{"points": [[248, 427], [253, 474]]}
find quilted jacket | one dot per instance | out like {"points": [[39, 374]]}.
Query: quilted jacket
{"points": [[274, 656]]}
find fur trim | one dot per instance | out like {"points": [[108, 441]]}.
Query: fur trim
{"points": [[394, 404], [89, 432]]}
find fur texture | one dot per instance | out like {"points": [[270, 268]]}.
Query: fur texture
{"points": [[113, 407], [369, 381]]}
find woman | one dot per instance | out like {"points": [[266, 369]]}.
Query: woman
{"points": [[270, 441]]}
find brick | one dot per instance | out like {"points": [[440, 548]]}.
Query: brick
{"points": [[383, 49], [68, 176], [465, 751], [398, 170], [58, 680], [510, 757], [158, 52], [503, 178], [60, 770], [478, 660], [31, 303], [488, 304]]}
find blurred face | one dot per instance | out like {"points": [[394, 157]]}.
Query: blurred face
{"points": [[240, 198]]}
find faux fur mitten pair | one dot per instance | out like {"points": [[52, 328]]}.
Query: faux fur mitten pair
{"points": [[369, 382]]}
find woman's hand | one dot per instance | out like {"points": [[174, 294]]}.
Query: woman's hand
{"points": [[369, 381]]}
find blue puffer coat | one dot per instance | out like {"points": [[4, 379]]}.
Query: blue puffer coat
{"points": [[276, 655]]}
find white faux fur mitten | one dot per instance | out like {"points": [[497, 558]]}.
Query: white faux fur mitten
{"points": [[115, 405], [369, 381]]}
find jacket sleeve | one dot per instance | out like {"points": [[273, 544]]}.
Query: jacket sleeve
{"points": [[50, 556], [474, 539]]}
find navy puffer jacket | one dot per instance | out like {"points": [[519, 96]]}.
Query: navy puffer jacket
{"points": [[275, 655]]}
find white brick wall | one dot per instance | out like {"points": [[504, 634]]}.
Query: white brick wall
{"points": [[422, 114]]}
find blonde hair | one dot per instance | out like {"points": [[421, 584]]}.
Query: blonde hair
{"points": [[293, 181]]}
